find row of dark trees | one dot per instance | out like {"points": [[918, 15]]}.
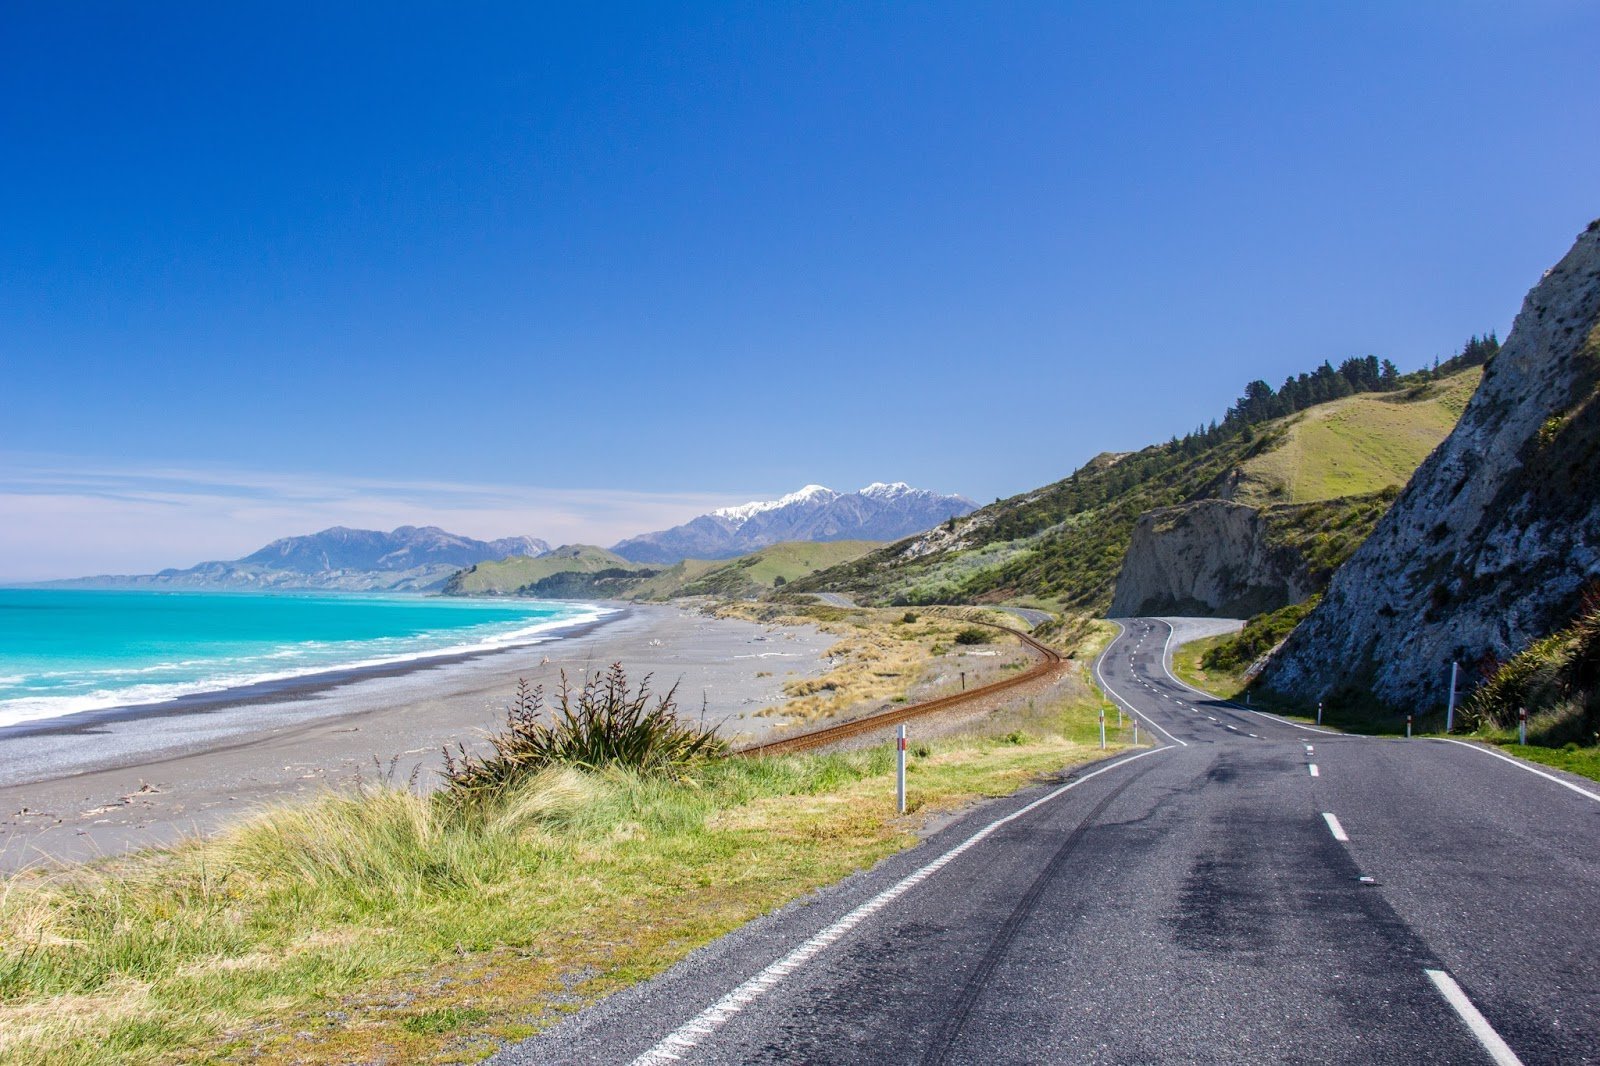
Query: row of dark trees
{"points": [[1261, 403]]}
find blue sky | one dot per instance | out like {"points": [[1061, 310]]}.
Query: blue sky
{"points": [[576, 271]]}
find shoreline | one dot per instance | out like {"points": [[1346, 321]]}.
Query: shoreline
{"points": [[284, 689], [142, 778]]}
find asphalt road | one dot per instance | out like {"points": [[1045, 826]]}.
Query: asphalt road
{"points": [[1213, 899]]}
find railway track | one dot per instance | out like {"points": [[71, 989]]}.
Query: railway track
{"points": [[1050, 661]]}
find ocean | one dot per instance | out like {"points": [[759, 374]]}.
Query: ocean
{"points": [[63, 651]]}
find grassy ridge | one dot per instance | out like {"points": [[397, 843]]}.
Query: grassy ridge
{"points": [[582, 570], [1063, 543], [1330, 471], [383, 925], [762, 570], [1356, 445], [506, 576]]}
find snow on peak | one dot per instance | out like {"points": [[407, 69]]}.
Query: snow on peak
{"points": [[892, 490], [746, 511]]}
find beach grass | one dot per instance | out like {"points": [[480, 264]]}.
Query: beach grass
{"points": [[382, 925], [881, 653]]}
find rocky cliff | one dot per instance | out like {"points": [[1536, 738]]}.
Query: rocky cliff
{"points": [[1490, 543], [1212, 557]]}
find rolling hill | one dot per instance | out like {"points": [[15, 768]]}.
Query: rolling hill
{"points": [[1314, 483], [582, 571], [407, 559], [520, 575]]}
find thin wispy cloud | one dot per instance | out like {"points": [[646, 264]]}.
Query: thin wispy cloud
{"points": [[67, 518]]}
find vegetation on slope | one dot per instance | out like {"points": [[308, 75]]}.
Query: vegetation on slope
{"points": [[1065, 543], [771, 568], [384, 925], [1358, 445], [1556, 679], [515, 575], [1235, 653], [585, 572]]}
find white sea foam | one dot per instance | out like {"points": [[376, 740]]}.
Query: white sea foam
{"points": [[38, 708]]}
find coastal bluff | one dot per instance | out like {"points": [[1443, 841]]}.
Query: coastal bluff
{"points": [[1493, 540], [1210, 557]]}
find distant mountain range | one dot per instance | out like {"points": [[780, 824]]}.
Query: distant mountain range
{"points": [[879, 512], [410, 558], [424, 558]]}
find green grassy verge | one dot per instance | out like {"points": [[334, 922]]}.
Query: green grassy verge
{"points": [[1585, 762], [1229, 684], [1188, 662], [386, 926]]}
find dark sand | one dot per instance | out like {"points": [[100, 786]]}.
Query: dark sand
{"points": [[90, 785]]}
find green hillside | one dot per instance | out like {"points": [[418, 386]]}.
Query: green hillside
{"points": [[1356, 445], [772, 567], [582, 571], [1324, 476], [519, 573]]}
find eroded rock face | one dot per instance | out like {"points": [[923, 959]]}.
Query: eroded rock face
{"points": [[1491, 542], [1211, 557]]}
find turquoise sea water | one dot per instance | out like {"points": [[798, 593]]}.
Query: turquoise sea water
{"points": [[69, 650]]}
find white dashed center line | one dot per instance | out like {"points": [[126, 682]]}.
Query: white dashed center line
{"points": [[1497, 1048], [1336, 829], [1313, 768]]}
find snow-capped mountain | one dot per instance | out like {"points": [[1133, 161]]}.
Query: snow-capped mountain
{"points": [[407, 558], [878, 512]]}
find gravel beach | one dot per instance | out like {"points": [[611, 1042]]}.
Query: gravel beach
{"points": [[85, 786]]}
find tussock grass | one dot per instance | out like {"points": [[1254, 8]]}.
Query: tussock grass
{"points": [[605, 722], [879, 656], [385, 925]]}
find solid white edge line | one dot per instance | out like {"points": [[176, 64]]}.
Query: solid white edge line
{"points": [[715, 1016], [1335, 828], [1167, 669], [1520, 765], [1497, 1048], [1101, 678]]}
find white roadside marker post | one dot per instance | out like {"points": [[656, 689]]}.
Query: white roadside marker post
{"points": [[1136, 732], [900, 769], [1450, 706], [1319, 712], [1522, 726], [1102, 729], [1408, 727]]}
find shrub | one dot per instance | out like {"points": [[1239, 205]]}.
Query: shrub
{"points": [[974, 635], [1556, 678], [1260, 635], [605, 723]]}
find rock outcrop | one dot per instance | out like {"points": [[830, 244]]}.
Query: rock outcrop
{"points": [[1493, 539], [1211, 557]]}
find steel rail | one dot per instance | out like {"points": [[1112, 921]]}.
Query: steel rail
{"points": [[1050, 661]]}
